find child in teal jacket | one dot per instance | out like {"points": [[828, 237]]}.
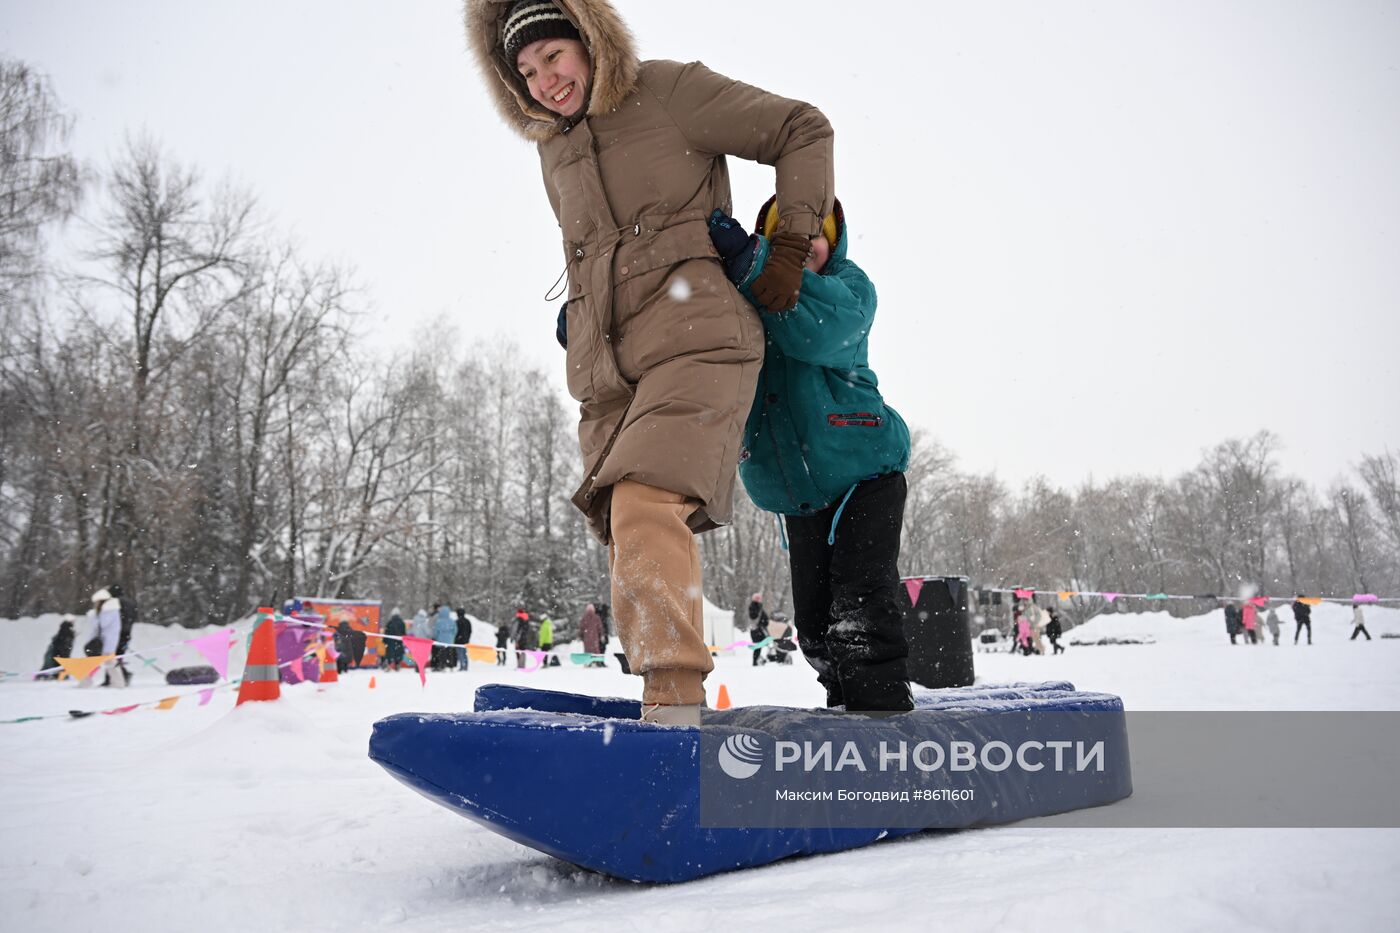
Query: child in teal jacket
{"points": [[823, 450]]}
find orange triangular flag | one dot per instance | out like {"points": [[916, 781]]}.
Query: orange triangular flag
{"points": [[722, 701], [167, 703], [1065, 594], [82, 668], [483, 653], [371, 683], [1310, 601]]}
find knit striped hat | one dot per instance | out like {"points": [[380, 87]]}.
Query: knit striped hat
{"points": [[531, 20]]}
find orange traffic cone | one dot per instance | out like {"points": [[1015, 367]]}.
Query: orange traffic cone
{"points": [[261, 679], [371, 683], [329, 674], [722, 701]]}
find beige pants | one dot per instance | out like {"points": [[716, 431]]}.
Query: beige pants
{"points": [[655, 566]]}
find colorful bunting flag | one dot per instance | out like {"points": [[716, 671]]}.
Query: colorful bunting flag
{"points": [[1110, 597], [82, 668], [168, 703], [1311, 601], [119, 710], [420, 650], [1065, 595], [1365, 598], [1024, 594], [914, 586], [484, 653], [205, 696], [583, 657], [214, 647]]}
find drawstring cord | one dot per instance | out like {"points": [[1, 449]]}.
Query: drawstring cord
{"points": [[831, 537], [552, 295]]}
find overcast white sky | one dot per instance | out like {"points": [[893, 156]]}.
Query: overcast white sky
{"points": [[1105, 235]]}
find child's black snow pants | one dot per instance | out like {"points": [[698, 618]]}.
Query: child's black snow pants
{"points": [[846, 597]]}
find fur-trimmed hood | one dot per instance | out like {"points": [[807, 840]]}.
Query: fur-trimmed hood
{"points": [[610, 45]]}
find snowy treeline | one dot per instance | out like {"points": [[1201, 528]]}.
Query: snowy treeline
{"points": [[1234, 521], [186, 408]]}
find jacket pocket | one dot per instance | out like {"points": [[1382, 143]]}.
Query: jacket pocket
{"points": [[855, 419]]}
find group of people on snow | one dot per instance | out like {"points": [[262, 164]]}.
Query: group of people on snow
{"points": [[774, 631], [1242, 620], [1031, 626], [109, 622]]}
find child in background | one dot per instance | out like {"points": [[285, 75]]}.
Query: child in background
{"points": [[824, 451]]}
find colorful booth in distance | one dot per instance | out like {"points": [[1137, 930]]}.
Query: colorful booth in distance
{"points": [[362, 614]]}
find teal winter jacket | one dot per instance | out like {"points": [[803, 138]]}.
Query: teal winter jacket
{"points": [[818, 424]]}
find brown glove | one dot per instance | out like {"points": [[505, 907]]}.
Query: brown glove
{"points": [[777, 285]]}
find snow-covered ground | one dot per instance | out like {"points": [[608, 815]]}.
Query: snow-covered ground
{"points": [[271, 817]]}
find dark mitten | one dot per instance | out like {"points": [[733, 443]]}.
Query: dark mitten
{"points": [[561, 326], [734, 245], [777, 285]]}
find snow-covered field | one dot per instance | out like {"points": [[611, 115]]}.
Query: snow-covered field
{"points": [[271, 817]]}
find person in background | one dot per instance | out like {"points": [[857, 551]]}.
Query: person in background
{"points": [[1232, 621], [546, 632], [1271, 620], [344, 643], [1358, 620], [605, 614], [464, 636], [1054, 630], [358, 638], [130, 616], [1302, 618], [445, 633], [590, 629], [1023, 632], [1249, 618], [393, 647], [523, 634], [61, 646], [105, 621], [502, 644], [758, 626]]}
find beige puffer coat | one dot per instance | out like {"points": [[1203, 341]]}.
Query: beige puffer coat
{"points": [[663, 353]]}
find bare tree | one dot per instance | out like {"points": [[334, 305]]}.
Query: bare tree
{"points": [[38, 184]]}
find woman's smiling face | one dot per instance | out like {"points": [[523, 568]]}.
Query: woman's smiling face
{"points": [[556, 71]]}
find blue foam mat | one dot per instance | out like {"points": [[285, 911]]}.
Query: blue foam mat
{"points": [[638, 784]]}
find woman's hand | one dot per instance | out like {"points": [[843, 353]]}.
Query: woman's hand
{"points": [[777, 285]]}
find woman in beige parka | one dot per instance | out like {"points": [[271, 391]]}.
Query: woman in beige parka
{"points": [[663, 353]]}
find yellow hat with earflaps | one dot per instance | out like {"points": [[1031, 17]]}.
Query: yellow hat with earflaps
{"points": [[831, 223]]}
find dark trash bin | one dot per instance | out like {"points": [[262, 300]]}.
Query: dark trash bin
{"points": [[936, 627]]}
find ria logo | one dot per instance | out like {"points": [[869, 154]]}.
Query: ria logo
{"points": [[740, 756]]}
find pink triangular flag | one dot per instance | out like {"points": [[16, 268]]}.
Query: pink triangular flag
{"points": [[294, 669], [1365, 598], [420, 650], [119, 710], [536, 660], [214, 646], [1110, 596], [205, 696], [1024, 594], [915, 586]]}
